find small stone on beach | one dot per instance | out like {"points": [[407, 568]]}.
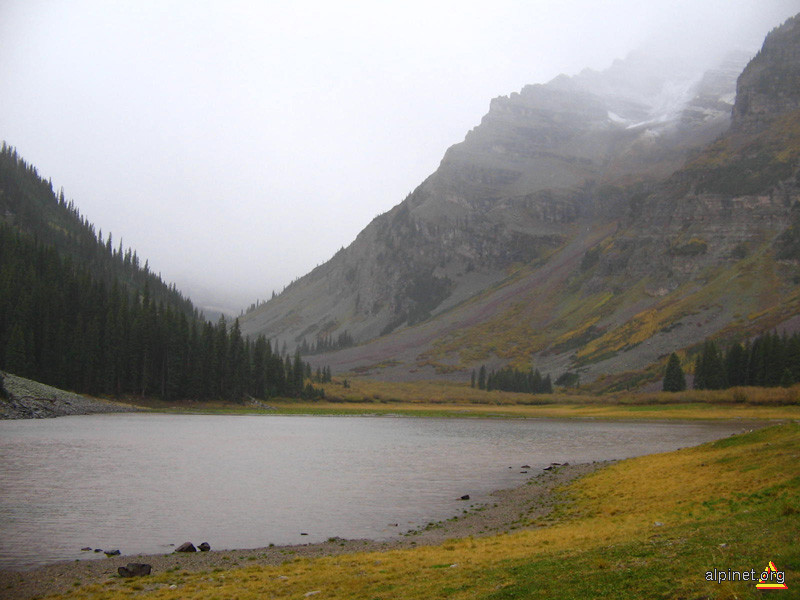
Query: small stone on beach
{"points": [[135, 570]]}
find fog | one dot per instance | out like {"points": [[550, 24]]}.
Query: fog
{"points": [[236, 145]]}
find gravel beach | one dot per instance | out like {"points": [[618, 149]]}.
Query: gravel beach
{"points": [[508, 509], [28, 399]]}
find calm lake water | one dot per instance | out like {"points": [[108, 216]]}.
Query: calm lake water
{"points": [[143, 482]]}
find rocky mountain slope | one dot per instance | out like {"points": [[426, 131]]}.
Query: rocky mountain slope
{"points": [[594, 224]]}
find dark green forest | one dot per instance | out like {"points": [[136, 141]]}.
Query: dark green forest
{"points": [[512, 380], [769, 360], [80, 314], [327, 343]]}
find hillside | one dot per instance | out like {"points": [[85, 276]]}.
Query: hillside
{"points": [[79, 314], [30, 206], [592, 224]]}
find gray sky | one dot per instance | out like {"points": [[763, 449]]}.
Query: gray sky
{"points": [[236, 145]]}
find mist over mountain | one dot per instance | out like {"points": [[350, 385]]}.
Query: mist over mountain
{"points": [[583, 225]]}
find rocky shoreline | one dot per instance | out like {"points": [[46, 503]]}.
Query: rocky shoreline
{"points": [[27, 399], [509, 510]]}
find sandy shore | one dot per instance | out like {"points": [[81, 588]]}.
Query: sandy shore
{"points": [[508, 509]]}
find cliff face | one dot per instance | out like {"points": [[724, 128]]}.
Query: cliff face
{"points": [[541, 161], [769, 85], [594, 223], [741, 190]]}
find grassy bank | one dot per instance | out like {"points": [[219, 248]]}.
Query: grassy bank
{"points": [[442, 399], [648, 527]]}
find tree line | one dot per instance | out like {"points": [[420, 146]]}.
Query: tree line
{"points": [[327, 343], [62, 326], [512, 380], [29, 204], [769, 360]]}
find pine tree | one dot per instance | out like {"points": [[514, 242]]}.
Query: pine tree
{"points": [[237, 363], [709, 372], [298, 373], [736, 365], [17, 354], [221, 368], [259, 381], [787, 379], [674, 380], [712, 363], [482, 378]]}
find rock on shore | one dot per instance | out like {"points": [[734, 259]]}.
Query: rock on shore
{"points": [[27, 399]]}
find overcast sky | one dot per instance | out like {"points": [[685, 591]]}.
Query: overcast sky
{"points": [[236, 145]]}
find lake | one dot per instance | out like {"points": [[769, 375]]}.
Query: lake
{"points": [[146, 482]]}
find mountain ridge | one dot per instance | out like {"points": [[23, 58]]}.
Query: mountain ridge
{"points": [[619, 199]]}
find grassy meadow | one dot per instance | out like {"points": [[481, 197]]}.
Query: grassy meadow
{"points": [[647, 527], [443, 399]]}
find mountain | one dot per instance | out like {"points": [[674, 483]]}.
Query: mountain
{"points": [[592, 224]]}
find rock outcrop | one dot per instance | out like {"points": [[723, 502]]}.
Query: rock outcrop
{"points": [[770, 85]]}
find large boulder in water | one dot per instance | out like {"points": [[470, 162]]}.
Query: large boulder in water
{"points": [[186, 547]]}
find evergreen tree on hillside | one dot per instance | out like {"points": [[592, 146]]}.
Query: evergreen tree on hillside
{"points": [[674, 380], [736, 365], [79, 314], [514, 380], [709, 373], [769, 360]]}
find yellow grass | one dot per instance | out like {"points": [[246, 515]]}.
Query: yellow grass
{"points": [[586, 411], [441, 397]]}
